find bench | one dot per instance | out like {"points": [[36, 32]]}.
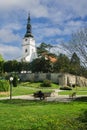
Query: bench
{"points": [[72, 95], [41, 95]]}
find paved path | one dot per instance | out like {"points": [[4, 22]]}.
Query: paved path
{"points": [[59, 98]]}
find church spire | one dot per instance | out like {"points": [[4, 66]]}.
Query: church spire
{"points": [[28, 28]]}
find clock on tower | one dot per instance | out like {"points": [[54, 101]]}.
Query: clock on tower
{"points": [[28, 46]]}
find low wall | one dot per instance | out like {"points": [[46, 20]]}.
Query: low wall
{"points": [[60, 78]]}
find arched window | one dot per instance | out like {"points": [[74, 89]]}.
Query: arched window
{"points": [[26, 39], [25, 50]]}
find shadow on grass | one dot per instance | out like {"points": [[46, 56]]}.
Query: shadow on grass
{"points": [[23, 102], [81, 99], [83, 120]]}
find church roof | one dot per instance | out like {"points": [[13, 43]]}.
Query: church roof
{"points": [[28, 28]]}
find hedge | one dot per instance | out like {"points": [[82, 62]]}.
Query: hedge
{"points": [[65, 88], [4, 85]]}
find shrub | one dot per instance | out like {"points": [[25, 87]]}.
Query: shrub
{"points": [[4, 85], [46, 83], [65, 88], [15, 81]]}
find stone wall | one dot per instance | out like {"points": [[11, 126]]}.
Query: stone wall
{"points": [[62, 79]]}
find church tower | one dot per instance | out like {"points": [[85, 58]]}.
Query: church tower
{"points": [[28, 46]]}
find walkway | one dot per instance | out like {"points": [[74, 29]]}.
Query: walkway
{"points": [[59, 98]]}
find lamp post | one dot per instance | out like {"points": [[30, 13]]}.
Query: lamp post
{"points": [[11, 79]]}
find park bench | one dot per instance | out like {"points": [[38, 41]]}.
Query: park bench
{"points": [[41, 95], [72, 95]]}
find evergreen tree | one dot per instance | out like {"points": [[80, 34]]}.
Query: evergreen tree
{"points": [[75, 64], [62, 64]]}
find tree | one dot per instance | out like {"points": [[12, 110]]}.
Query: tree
{"points": [[1, 58], [15, 66], [40, 65], [78, 44], [1, 63], [41, 49], [75, 64], [62, 64], [9, 66], [75, 60], [44, 48]]}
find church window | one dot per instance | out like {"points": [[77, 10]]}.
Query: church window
{"points": [[25, 50], [25, 39]]}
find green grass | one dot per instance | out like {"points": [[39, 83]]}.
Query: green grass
{"points": [[67, 92], [41, 115], [78, 90], [37, 85], [26, 88]]}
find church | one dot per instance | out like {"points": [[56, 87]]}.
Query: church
{"points": [[29, 52]]}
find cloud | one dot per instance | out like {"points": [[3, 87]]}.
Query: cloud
{"points": [[80, 8], [9, 33], [66, 10], [10, 52], [34, 6], [51, 20], [51, 30], [7, 36], [14, 26], [52, 9]]}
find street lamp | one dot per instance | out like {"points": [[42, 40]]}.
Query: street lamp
{"points": [[11, 79]]}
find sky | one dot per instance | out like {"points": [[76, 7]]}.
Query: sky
{"points": [[53, 22]]}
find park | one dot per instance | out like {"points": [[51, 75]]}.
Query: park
{"points": [[43, 65], [25, 112]]}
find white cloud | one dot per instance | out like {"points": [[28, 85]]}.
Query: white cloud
{"points": [[13, 26], [59, 40], [51, 30], [66, 9], [55, 9], [34, 6], [60, 15], [78, 6], [7, 33], [10, 52], [6, 36]]}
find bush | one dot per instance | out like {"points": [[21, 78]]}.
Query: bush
{"points": [[65, 88], [4, 85], [46, 83], [15, 81]]}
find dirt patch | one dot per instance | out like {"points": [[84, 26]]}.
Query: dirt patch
{"points": [[4, 93]]}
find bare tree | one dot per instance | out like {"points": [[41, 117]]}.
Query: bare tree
{"points": [[78, 44]]}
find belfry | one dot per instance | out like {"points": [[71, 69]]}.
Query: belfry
{"points": [[29, 52]]}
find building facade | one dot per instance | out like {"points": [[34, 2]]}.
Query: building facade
{"points": [[29, 52]]}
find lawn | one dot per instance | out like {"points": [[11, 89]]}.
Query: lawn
{"points": [[78, 90], [41, 115], [26, 88], [29, 88]]}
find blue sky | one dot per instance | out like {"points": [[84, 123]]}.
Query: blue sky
{"points": [[53, 21]]}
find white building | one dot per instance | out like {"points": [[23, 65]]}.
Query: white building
{"points": [[28, 46]]}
